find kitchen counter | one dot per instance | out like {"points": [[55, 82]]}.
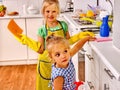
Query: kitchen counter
{"points": [[109, 55], [22, 16], [29, 16]]}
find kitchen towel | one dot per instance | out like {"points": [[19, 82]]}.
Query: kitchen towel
{"points": [[104, 39]]}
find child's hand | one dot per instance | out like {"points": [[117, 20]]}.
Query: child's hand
{"points": [[84, 34], [91, 38], [14, 28]]}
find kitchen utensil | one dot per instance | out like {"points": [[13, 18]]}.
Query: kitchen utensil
{"points": [[32, 10], [14, 28], [14, 13], [24, 9]]}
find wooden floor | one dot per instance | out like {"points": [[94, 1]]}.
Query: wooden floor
{"points": [[81, 69], [21, 77]]}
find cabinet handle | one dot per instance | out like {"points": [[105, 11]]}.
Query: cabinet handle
{"points": [[83, 50], [89, 56], [109, 73], [106, 87], [90, 85]]}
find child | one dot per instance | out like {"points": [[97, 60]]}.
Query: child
{"points": [[63, 71], [50, 11]]}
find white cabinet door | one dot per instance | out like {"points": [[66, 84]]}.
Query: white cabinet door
{"points": [[32, 26], [91, 68], [107, 80], [10, 48]]}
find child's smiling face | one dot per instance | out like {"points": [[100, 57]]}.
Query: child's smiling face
{"points": [[51, 13], [61, 55]]}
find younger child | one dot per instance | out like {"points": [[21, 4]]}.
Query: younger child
{"points": [[63, 71]]}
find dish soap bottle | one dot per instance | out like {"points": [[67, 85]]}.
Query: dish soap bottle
{"points": [[104, 28]]}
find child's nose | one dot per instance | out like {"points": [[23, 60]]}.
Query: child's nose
{"points": [[63, 55], [50, 13]]}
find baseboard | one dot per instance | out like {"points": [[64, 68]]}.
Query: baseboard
{"points": [[18, 62]]}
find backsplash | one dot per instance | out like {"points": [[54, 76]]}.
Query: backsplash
{"points": [[83, 4], [17, 5]]}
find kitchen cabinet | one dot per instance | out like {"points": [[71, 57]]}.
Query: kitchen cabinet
{"points": [[11, 51], [91, 68], [32, 25], [107, 78], [98, 76], [107, 81]]}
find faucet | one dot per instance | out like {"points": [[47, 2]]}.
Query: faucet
{"points": [[111, 6]]}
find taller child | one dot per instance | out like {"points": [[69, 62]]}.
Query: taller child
{"points": [[50, 11]]}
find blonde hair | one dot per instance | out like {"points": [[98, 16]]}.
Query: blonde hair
{"points": [[46, 3], [52, 40]]}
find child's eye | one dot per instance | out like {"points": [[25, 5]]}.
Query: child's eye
{"points": [[66, 51], [54, 11], [47, 11], [57, 55]]}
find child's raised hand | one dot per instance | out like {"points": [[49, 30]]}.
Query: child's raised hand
{"points": [[14, 28], [91, 38], [84, 34]]}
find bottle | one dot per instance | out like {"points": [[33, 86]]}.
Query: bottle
{"points": [[104, 28], [24, 9]]}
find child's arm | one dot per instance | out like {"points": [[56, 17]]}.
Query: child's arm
{"points": [[80, 44], [41, 49], [58, 83], [23, 39], [73, 39]]}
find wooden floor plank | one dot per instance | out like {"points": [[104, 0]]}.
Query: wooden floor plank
{"points": [[21, 77]]}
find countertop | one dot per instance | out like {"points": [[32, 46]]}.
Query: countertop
{"points": [[23, 16], [29, 15], [109, 54]]}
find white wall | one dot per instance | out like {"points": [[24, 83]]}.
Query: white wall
{"points": [[17, 5], [82, 4], [116, 25], [106, 5]]}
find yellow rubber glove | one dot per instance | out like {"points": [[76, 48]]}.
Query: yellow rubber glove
{"points": [[79, 36], [74, 39], [15, 29], [84, 34], [32, 44]]}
